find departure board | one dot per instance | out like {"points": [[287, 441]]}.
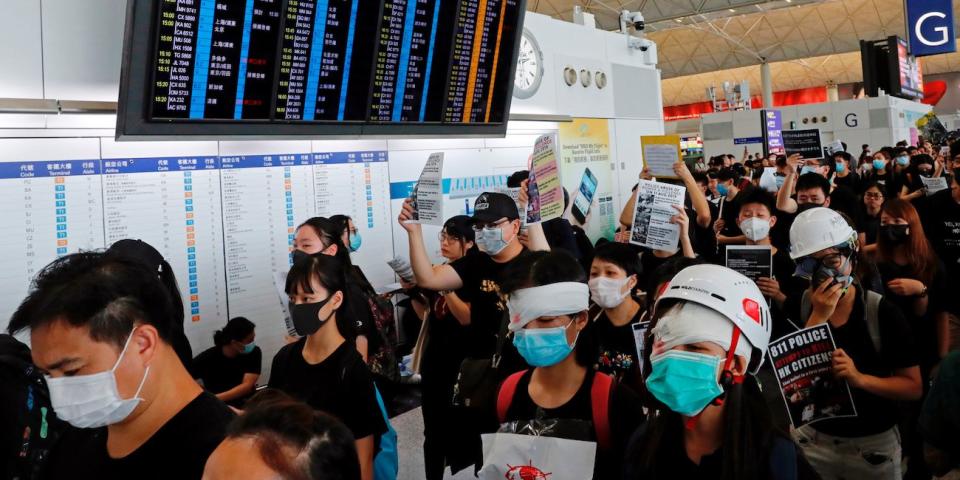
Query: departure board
{"points": [[482, 60], [313, 68]]}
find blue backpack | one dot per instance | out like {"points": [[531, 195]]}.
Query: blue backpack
{"points": [[386, 463]]}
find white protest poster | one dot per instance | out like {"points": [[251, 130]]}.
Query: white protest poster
{"points": [[528, 457], [652, 212], [934, 184], [428, 193], [661, 153]]}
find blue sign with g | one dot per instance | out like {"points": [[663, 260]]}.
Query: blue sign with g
{"points": [[930, 27]]}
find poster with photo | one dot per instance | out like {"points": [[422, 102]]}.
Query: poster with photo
{"points": [[802, 363], [584, 153], [652, 214]]}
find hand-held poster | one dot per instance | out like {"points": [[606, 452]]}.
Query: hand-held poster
{"points": [[652, 213], [428, 193], [544, 189], [802, 362], [660, 154]]}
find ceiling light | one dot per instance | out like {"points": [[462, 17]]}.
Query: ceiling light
{"points": [[678, 20], [733, 11]]}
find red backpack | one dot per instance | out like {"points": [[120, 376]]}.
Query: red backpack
{"points": [[600, 392]]}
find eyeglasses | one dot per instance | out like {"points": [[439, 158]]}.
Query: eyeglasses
{"points": [[444, 238], [479, 227]]}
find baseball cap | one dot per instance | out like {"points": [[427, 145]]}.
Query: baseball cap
{"points": [[491, 207]]}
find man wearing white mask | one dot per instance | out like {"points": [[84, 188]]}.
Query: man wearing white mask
{"points": [[614, 274], [756, 221], [100, 329]]}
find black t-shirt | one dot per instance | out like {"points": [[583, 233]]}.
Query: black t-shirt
{"points": [[340, 385], [889, 182], [220, 373], [898, 350], [179, 449], [624, 412], [941, 223], [481, 278], [791, 286], [851, 181], [869, 226], [672, 462], [618, 350], [924, 326], [780, 233]]}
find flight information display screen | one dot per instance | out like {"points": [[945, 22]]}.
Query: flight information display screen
{"points": [[227, 67]]}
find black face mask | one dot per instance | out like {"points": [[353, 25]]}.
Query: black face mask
{"points": [[299, 255], [807, 206], [895, 234], [925, 173], [306, 317]]}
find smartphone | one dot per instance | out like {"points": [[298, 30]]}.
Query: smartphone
{"points": [[588, 188]]}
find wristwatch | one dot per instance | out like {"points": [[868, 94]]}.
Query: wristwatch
{"points": [[923, 293]]}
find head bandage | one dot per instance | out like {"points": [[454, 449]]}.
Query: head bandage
{"points": [[562, 298], [689, 322]]}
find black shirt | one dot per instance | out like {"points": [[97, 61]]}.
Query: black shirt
{"points": [[851, 181], [869, 226], [923, 326], [481, 277], [941, 223], [179, 449], [791, 286], [340, 385], [889, 182], [898, 350], [220, 373], [625, 416], [618, 349]]}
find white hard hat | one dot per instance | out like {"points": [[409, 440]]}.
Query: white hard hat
{"points": [[817, 229], [731, 294]]}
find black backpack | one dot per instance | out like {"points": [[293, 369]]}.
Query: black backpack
{"points": [[29, 429]]}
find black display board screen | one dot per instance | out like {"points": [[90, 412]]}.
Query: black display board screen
{"points": [[317, 68]]}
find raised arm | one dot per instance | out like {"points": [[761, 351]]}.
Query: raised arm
{"points": [[440, 277]]}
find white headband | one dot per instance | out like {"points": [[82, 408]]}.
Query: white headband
{"points": [[562, 298], [692, 323]]}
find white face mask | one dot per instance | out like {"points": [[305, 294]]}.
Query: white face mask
{"points": [[608, 292], [755, 229], [92, 401], [490, 240]]}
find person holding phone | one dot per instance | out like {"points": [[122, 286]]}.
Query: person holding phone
{"points": [[876, 354], [584, 198]]}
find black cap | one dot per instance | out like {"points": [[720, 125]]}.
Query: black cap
{"points": [[491, 207]]}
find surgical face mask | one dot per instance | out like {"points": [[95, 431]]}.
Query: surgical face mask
{"points": [[895, 234], [780, 179], [755, 228], [355, 241], [490, 240], [543, 347], [686, 382], [808, 169], [722, 189], [306, 316], [879, 164], [608, 292], [841, 168], [903, 160], [93, 401], [248, 348]]}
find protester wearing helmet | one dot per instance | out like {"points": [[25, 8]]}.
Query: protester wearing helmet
{"points": [[711, 335], [875, 354]]}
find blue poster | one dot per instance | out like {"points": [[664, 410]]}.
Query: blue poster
{"points": [[930, 27]]}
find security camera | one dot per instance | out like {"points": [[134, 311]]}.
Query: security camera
{"points": [[634, 19]]}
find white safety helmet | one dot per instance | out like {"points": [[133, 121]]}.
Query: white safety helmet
{"points": [[731, 294], [817, 229]]}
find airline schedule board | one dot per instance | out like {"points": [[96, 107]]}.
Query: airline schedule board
{"points": [[225, 66]]}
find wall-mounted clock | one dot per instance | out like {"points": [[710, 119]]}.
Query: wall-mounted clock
{"points": [[529, 67]]}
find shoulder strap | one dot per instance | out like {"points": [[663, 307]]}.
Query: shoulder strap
{"points": [[600, 393], [806, 308], [872, 305], [505, 395]]}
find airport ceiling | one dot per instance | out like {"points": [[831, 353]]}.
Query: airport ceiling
{"points": [[705, 42]]}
